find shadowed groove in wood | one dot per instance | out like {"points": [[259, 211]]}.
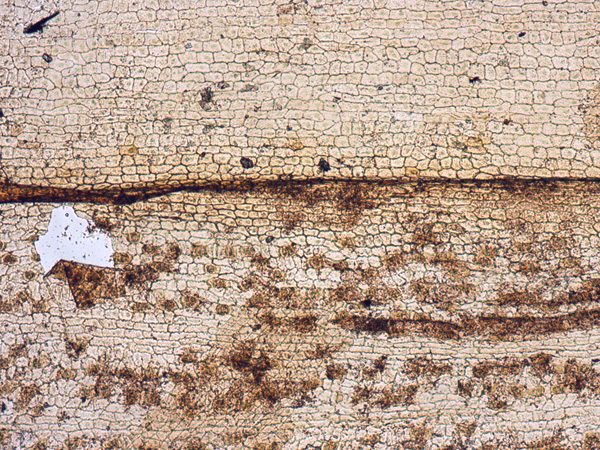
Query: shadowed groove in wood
{"points": [[19, 193]]}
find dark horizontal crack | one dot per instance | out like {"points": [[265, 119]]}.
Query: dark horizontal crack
{"points": [[16, 193], [19, 193]]}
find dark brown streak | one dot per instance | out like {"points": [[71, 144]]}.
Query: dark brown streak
{"points": [[490, 327], [19, 193], [39, 25]]}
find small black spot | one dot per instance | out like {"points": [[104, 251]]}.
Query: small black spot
{"points": [[222, 37], [521, 34], [222, 84], [269, 239], [545, 3], [207, 95], [306, 44], [506, 121], [336, 99], [474, 80], [83, 399], [289, 128], [324, 165], [3, 407], [46, 57], [1, 113], [202, 155], [39, 25], [247, 163], [367, 303], [380, 88]]}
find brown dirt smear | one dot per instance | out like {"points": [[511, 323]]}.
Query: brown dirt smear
{"points": [[464, 388], [518, 298], [540, 365], [10, 304], [243, 395], [335, 371], [301, 324], [591, 441], [385, 398], [587, 293], [425, 367], [138, 386], [395, 260], [250, 361], [493, 327], [419, 433], [16, 193], [377, 368], [500, 380], [235, 381], [590, 111], [575, 377], [76, 347], [26, 395], [375, 294], [267, 294], [90, 285], [321, 351]]}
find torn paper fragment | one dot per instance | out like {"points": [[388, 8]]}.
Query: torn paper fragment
{"points": [[72, 238]]}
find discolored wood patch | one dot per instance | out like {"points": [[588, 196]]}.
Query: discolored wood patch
{"points": [[90, 285], [590, 111], [493, 327]]}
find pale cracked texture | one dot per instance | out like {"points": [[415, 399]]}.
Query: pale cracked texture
{"points": [[148, 92], [336, 225]]}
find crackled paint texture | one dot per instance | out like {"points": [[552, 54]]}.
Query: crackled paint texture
{"points": [[179, 92], [333, 225]]}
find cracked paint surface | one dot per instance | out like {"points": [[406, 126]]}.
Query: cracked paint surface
{"points": [[322, 224]]}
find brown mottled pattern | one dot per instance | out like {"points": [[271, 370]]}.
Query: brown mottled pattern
{"points": [[336, 224]]}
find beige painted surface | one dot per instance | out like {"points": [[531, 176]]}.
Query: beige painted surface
{"points": [[378, 89]]}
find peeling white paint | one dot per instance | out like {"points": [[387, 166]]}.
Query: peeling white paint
{"points": [[72, 238]]}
